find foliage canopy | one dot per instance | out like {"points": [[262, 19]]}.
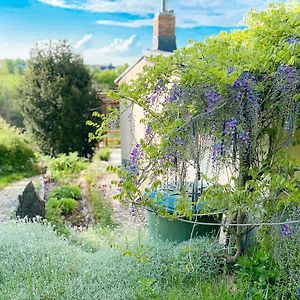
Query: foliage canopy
{"points": [[57, 99]]}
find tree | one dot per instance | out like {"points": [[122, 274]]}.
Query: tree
{"points": [[57, 99]]}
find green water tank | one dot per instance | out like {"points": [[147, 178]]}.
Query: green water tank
{"points": [[164, 228], [160, 227]]}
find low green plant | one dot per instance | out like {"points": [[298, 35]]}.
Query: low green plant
{"points": [[259, 272], [66, 191], [103, 154], [102, 212], [63, 206], [64, 164], [56, 209], [101, 208], [17, 159]]}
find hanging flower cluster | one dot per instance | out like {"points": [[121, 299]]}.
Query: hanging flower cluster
{"points": [[293, 40]]}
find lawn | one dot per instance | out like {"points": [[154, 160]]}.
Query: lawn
{"points": [[6, 179]]}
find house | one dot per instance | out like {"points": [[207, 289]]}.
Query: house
{"points": [[164, 43]]}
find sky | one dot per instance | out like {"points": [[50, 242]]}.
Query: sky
{"points": [[111, 31]]}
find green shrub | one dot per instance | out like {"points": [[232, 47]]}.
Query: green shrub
{"points": [[259, 272], [65, 164], [103, 154], [66, 191], [16, 155], [58, 207]]}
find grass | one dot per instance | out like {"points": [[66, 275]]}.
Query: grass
{"points": [[6, 179], [102, 212], [101, 209]]}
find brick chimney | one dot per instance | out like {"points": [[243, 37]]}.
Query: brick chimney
{"points": [[164, 38]]}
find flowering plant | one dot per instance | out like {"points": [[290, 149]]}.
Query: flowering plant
{"points": [[230, 104]]}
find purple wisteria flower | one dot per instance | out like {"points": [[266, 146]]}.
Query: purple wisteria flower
{"points": [[122, 179], [159, 88], [148, 132], [244, 137], [242, 82], [138, 200], [286, 230], [293, 40], [111, 124], [230, 125], [135, 154], [286, 75], [212, 99], [132, 210], [246, 85], [176, 92], [217, 151]]}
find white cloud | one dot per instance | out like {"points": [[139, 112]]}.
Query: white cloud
{"points": [[110, 52], [189, 13], [118, 45], [82, 41], [133, 24]]}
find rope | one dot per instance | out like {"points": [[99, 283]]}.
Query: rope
{"points": [[241, 225], [180, 218]]}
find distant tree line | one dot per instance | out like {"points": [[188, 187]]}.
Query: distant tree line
{"points": [[104, 80], [12, 66], [11, 72]]}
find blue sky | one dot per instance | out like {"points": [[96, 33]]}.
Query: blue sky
{"points": [[111, 31]]}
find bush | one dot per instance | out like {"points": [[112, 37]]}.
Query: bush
{"points": [[15, 152], [65, 164], [66, 191], [102, 154], [57, 207]]}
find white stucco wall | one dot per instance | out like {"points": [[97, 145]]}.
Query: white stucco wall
{"points": [[132, 130]]}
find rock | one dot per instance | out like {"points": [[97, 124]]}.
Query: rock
{"points": [[30, 204]]}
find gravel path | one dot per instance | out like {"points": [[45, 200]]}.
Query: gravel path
{"points": [[9, 197]]}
